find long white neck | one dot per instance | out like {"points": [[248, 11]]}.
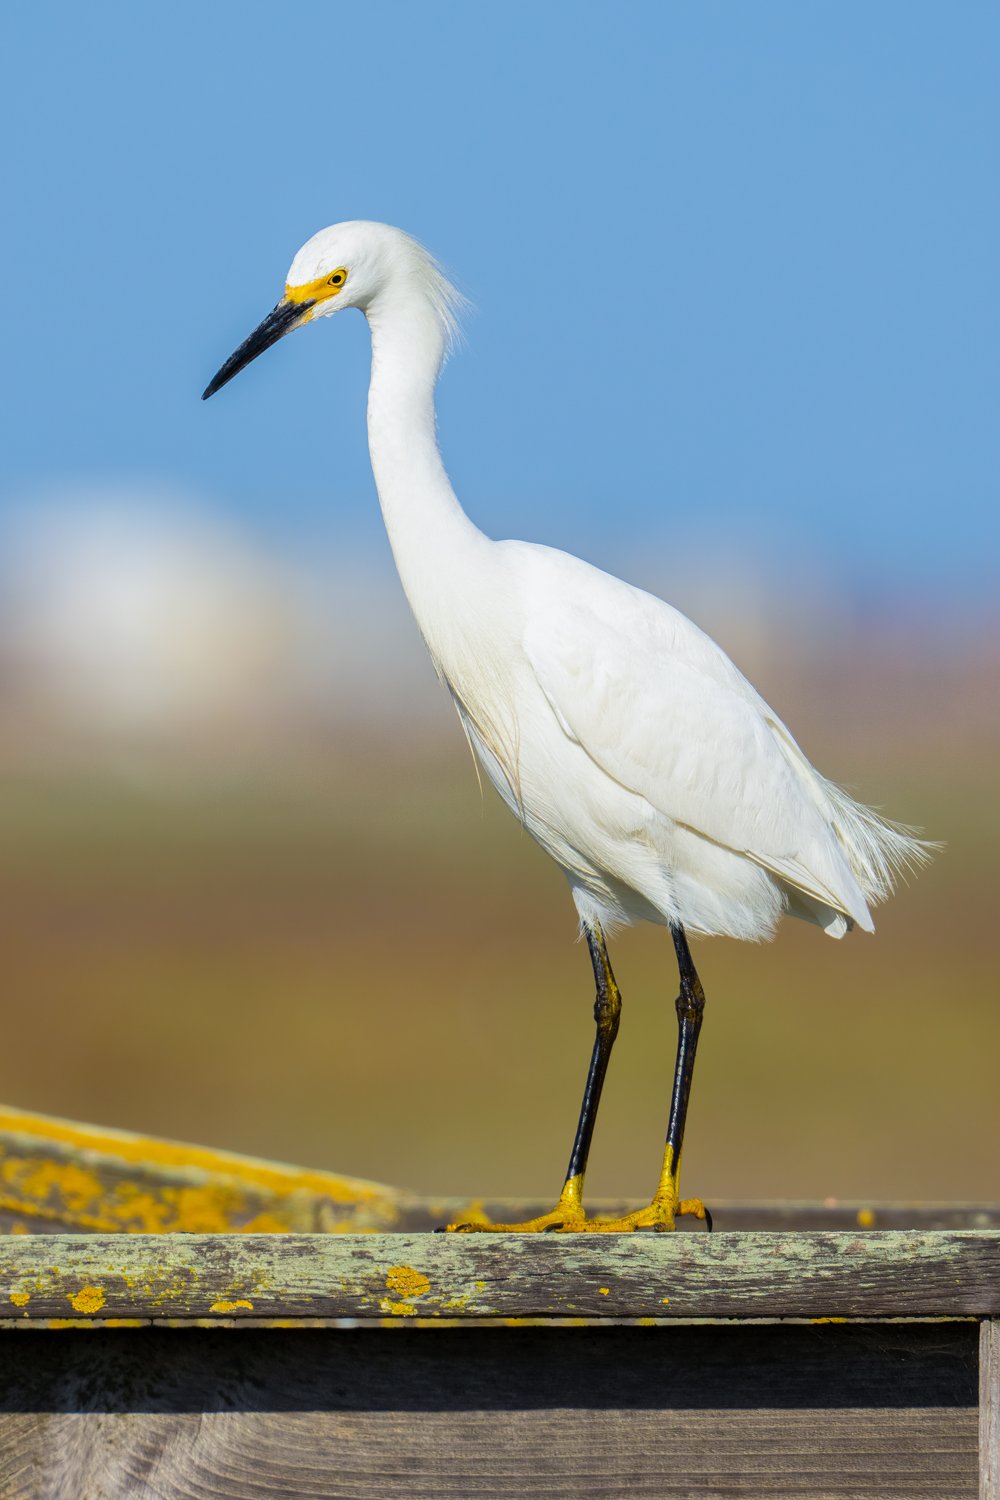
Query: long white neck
{"points": [[433, 541]]}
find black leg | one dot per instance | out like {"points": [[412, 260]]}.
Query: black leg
{"points": [[568, 1212], [607, 1013], [690, 1009], [666, 1204]]}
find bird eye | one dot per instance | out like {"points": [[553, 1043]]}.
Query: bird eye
{"points": [[337, 279]]}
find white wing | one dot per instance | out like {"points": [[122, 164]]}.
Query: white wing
{"points": [[660, 708]]}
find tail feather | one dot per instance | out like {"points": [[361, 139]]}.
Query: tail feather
{"points": [[878, 851]]}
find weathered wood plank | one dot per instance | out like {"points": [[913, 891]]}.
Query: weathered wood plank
{"points": [[576, 1455], [130, 1199], [816, 1412], [729, 1215], [59, 1176], [989, 1409], [844, 1214], [864, 1274]]}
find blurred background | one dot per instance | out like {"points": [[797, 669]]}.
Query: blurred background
{"points": [[735, 335]]}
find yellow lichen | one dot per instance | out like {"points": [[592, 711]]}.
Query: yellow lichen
{"points": [[20, 1299], [89, 1299], [46, 1183], [604, 1291], [145, 1151], [473, 1213], [269, 1223], [66, 1192], [866, 1218], [398, 1309], [228, 1307], [406, 1282], [61, 1323]]}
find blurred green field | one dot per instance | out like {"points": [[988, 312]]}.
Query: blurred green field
{"points": [[364, 965]]}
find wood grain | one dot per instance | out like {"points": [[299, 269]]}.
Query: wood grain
{"points": [[697, 1412], [813, 1275], [579, 1456], [989, 1409]]}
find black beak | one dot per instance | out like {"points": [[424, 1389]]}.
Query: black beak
{"points": [[283, 318]]}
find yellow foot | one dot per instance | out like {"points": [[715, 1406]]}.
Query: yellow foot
{"points": [[567, 1216], [660, 1215]]}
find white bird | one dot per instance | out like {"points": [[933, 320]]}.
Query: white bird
{"points": [[621, 736]]}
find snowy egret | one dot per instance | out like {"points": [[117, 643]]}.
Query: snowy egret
{"points": [[622, 737]]}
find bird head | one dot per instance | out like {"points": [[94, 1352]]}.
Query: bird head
{"points": [[347, 265]]}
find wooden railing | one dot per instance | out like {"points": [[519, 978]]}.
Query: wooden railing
{"points": [[185, 1322]]}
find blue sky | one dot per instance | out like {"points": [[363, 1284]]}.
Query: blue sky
{"points": [[734, 266]]}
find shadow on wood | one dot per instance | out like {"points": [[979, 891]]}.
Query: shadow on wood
{"points": [[873, 1366]]}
